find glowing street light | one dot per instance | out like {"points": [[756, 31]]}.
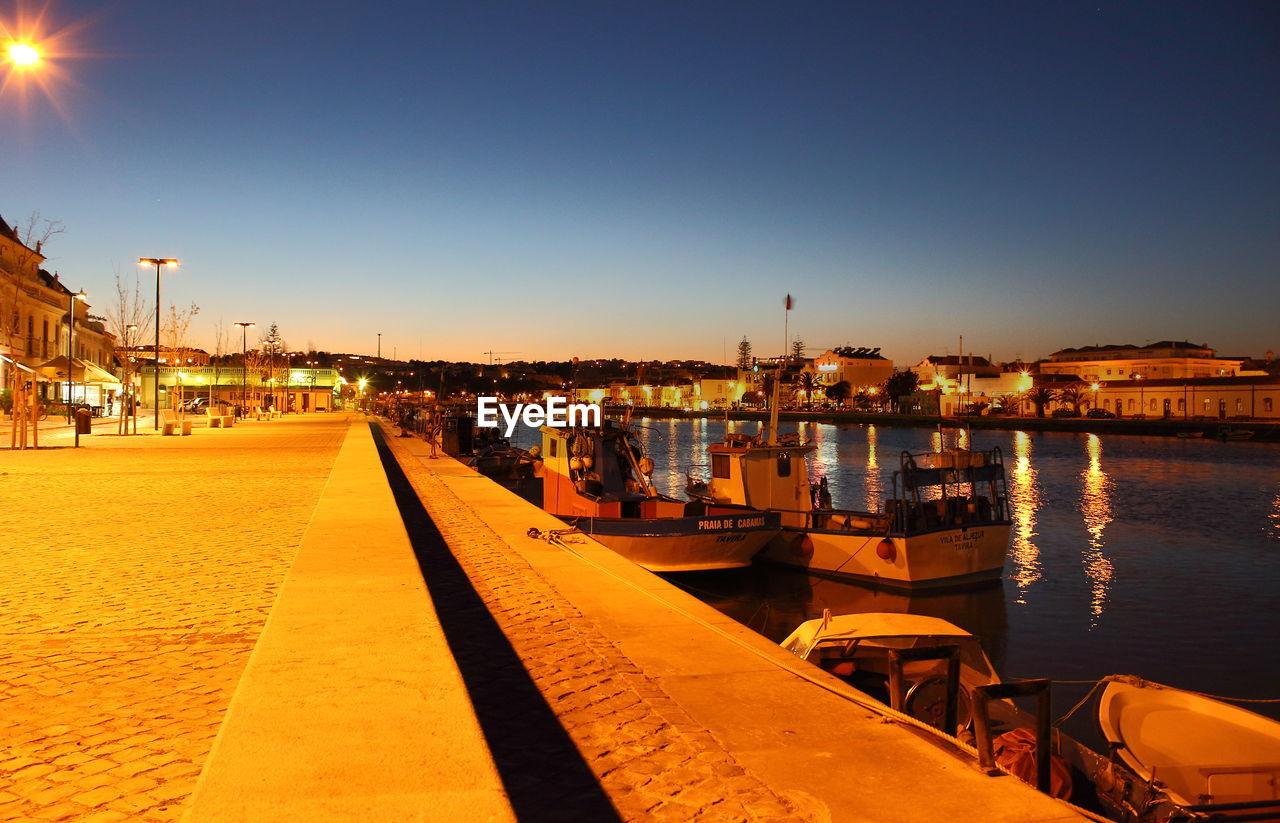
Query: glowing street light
{"points": [[171, 263]]}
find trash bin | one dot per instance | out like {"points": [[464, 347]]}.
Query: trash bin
{"points": [[84, 421]]}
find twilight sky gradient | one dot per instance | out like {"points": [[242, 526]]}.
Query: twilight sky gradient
{"points": [[647, 180]]}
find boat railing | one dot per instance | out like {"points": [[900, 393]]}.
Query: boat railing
{"points": [[975, 479]]}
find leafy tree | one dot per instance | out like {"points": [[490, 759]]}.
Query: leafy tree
{"points": [[839, 392], [744, 353], [900, 385]]}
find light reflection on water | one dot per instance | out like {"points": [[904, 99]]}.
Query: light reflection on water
{"points": [[1151, 556], [1024, 498], [1095, 505]]}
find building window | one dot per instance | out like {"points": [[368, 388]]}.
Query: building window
{"points": [[1206, 405], [720, 466], [1130, 404], [1267, 405], [1239, 404], [1152, 404], [1182, 404]]}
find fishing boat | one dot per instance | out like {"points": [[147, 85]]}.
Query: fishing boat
{"points": [[1194, 757], [599, 480], [947, 522]]}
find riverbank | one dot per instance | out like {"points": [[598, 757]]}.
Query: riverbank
{"points": [[1263, 431]]}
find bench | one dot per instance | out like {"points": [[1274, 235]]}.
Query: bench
{"points": [[259, 414], [272, 412], [170, 424], [219, 420]]}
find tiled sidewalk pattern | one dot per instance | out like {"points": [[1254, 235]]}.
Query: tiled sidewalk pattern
{"points": [[135, 576], [655, 762]]}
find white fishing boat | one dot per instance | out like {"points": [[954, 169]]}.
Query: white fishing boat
{"points": [[599, 480], [1194, 757], [946, 523]]}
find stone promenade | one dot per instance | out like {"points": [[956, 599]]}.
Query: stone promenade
{"points": [[135, 576]]}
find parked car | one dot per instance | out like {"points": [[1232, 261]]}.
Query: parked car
{"points": [[1065, 413], [195, 405], [1100, 413]]}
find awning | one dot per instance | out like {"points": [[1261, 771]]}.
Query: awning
{"points": [[81, 372]]}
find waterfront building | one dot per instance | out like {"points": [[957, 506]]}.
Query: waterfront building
{"points": [[860, 367], [300, 390], [34, 308], [1168, 359], [1204, 398]]}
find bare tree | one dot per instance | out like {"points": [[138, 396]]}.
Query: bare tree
{"points": [[219, 351], [174, 330], [129, 320]]}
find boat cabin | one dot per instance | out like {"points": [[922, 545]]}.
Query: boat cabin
{"points": [[601, 472]]}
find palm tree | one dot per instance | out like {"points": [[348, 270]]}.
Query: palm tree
{"points": [[807, 384], [1010, 403], [1041, 396], [1073, 394]]}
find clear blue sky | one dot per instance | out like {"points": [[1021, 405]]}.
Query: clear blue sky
{"points": [[649, 179]]}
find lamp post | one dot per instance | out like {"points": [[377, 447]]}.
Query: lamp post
{"points": [[71, 333], [173, 264], [244, 363]]}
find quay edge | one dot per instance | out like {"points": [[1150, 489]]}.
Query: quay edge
{"points": [[810, 738]]}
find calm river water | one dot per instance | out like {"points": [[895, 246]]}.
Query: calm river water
{"points": [[1151, 556]]}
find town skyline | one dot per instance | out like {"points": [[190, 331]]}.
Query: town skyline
{"points": [[1031, 179]]}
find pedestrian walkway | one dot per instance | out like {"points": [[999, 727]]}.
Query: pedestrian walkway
{"points": [[137, 573]]}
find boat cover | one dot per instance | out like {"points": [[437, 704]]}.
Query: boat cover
{"points": [[873, 624], [1202, 750]]}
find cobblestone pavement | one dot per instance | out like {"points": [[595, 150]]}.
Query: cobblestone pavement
{"points": [[653, 760], [135, 576]]}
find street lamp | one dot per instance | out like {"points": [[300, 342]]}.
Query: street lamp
{"points": [[71, 332], [244, 363], [157, 262]]}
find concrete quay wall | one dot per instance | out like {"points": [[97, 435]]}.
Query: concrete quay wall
{"points": [[679, 711]]}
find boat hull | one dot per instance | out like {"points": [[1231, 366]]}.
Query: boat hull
{"points": [[681, 544], [940, 558]]}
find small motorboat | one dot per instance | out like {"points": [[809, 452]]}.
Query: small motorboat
{"points": [[856, 648], [1190, 435], [1235, 434], [1194, 757]]}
